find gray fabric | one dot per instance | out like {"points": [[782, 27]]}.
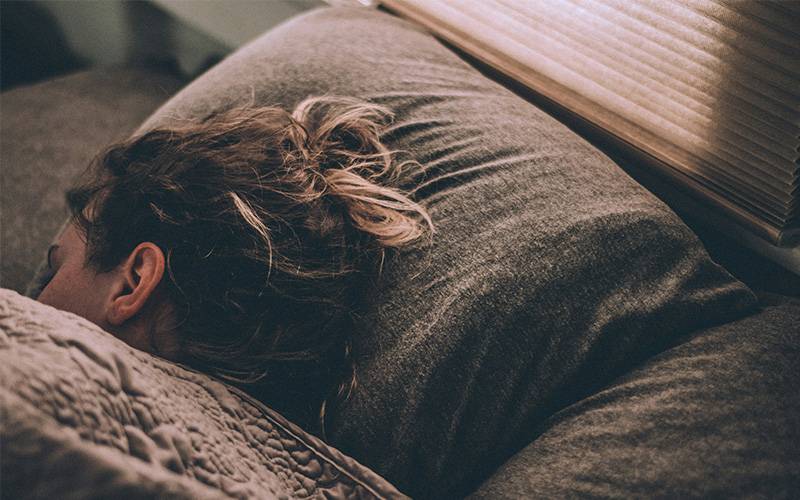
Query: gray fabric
{"points": [[49, 132], [717, 416], [83, 415], [551, 272]]}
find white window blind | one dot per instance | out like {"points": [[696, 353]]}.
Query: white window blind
{"points": [[709, 90]]}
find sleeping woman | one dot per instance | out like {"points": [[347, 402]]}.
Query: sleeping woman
{"points": [[237, 245]]}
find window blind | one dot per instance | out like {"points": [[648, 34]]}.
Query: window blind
{"points": [[708, 90]]}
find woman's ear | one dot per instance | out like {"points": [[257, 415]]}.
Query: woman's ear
{"points": [[139, 275]]}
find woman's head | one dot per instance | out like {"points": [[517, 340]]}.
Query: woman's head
{"points": [[263, 221]]}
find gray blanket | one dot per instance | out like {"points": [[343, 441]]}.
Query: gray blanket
{"points": [[82, 415]]}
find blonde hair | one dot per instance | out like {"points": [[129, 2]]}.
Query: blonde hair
{"points": [[269, 221], [373, 206]]}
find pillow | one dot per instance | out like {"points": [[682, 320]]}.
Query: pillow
{"points": [[50, 131], [86, 416], [551, 271], [717, 416]]}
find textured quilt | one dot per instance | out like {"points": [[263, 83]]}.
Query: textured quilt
{"points": [[82, 415]]}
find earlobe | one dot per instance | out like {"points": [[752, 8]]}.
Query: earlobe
{"points": [[139, 276]]}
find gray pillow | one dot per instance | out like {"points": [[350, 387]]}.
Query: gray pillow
{"points": [[551, 272], [50, 131], [717, 416]]}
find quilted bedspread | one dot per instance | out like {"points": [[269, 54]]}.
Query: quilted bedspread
{"points": [[82, 415]]}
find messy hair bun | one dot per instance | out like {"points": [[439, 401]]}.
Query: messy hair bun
{"points": [[358, 170], [268, 220]]}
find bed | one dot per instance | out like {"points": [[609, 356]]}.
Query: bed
{"points": [[566, 335]]}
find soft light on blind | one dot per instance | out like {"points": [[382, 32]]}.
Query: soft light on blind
{"points": [[709, 88]]}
